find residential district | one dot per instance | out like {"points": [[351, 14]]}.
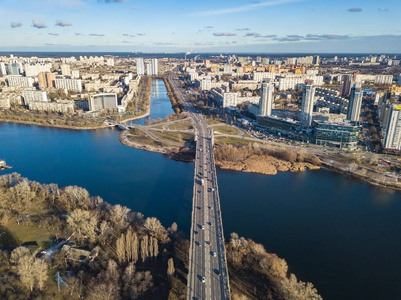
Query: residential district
{"points": [[347, 102]]}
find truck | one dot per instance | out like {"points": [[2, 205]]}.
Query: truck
{"points": [[203, 181]]}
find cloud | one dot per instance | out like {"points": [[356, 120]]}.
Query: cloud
{"points": [[223, 34], [76, 33], [287, 39], [54, 34], [383, 9], [295, 36], [254, 34], [140, 34], [269, 36], [318, 37], [96, 34], [128, 35], [62, 23], [244, 8], [134, 8], [38, 24], [208, 27], [163, 44], [242, 29], [15, 24], [355, 9], [126, 42], [111, 1]]}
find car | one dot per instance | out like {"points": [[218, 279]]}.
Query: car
{"points": [[203, 227], [203, 279], [198, 244], [210, 207], [213, 253], [210, 243]]}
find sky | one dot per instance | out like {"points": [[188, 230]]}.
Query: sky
{"points": [[309, 26]]}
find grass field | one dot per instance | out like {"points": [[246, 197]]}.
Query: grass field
{"points": [[211, 121], [174, 137], [186, 125], [225, 129]]}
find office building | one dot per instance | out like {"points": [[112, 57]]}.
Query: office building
{"points": [[355, 102], [140, 69], [338, 134], [102, 101], [74, 85], [392, 139], [308, 98], [266, 99]]}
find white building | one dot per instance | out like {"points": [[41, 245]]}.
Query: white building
{"points": [[291, 82], [308, 98], [355, 102], [206, 84], [65, 70], [154, 66], [392, 139], [35, 69], [19, 81], [259, 76], [3, 70], [31, 95], [140, 68], [230, 99], [75, 74], [266, 99], [384, 79], [102, 101], [110, 62], [74, 85]]}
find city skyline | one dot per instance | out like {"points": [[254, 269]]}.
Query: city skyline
{"points": [[207, 26]]}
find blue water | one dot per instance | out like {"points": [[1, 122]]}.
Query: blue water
{"points": [[159, 103], [339, 233]]}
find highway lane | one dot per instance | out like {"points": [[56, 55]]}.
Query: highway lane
{"points": [[207, 274]]}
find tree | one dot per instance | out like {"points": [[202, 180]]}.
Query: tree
{"points": [[84, 223], [170, 267]]}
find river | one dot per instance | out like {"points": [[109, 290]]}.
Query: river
{"points": [[341, 234]]}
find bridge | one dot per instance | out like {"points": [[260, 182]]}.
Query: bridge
{"points": [[208, 274]]}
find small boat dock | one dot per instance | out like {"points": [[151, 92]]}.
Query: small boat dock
{"points": [[3, 165]]}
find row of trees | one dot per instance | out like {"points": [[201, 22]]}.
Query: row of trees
{"points": [[176, 103]]}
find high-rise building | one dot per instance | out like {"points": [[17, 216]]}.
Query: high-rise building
{"points": [[266, 99], [392, 139], [140, 69], [308, 98], [35, 69], [154, 67], [42, 81], [316, 60], [355, 102], [14, 68], [345, 85], [110, 62], [3, 70], [65, 70], [148, 68], [51, 79]]}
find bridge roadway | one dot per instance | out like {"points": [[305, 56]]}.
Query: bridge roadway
{"points": [[208, 274]]}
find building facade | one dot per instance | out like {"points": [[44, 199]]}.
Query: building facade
{"points": [[266, 99], [308, 98], [355, 102], [392, 138]]}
